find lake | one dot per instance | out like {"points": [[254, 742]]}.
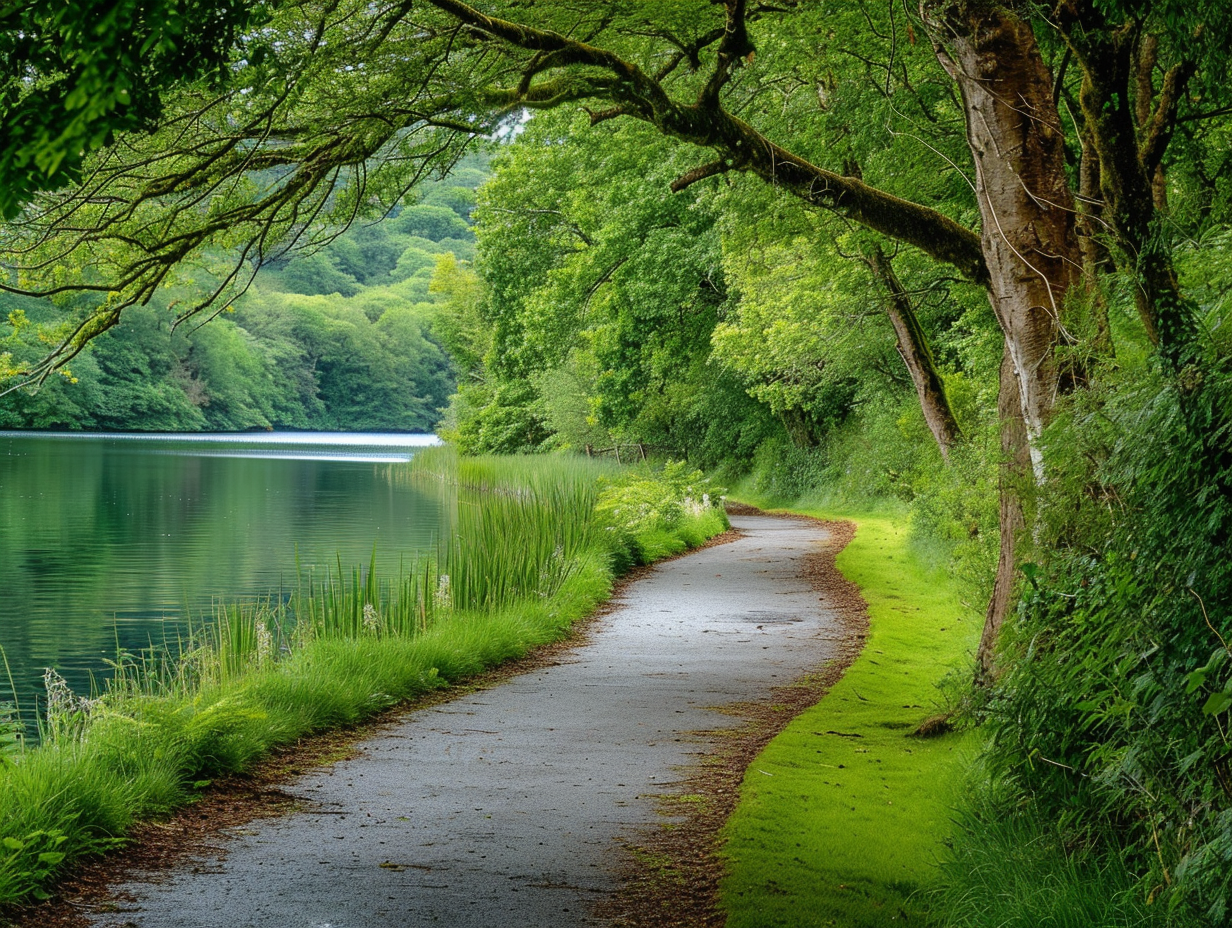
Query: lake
{"points": [[114, 541]]}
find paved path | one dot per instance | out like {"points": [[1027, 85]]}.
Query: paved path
{"points": [[504, 807]]}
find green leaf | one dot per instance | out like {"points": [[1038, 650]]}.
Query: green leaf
{"points": [[1218, 702]]}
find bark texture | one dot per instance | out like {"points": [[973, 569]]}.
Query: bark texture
{"points": [[1095, 258], [1027, 210], [1015, 475], [1029, 239], [1130, 124]]}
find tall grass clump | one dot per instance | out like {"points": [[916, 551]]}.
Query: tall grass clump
{"points": [[1008, 868], [532, 545]]}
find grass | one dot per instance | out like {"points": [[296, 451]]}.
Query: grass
{"points": [[528, 554], [843, 819], [1008, 869]]}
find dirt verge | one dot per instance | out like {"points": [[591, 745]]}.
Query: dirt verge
{"points": [[672, 871]]}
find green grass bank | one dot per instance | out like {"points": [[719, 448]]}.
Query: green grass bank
{"points": [[843, 818], [535, 544]]}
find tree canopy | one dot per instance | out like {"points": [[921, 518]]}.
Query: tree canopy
{"points": [[74, 74]]}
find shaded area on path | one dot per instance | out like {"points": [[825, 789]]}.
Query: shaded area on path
{"points": [[504, 806]]}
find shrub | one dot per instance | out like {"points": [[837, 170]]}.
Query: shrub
{"points": [[1113, 720], [648, 514]]}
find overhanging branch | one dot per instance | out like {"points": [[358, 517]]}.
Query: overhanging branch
{"points": [[701, 172], [708, 125]]}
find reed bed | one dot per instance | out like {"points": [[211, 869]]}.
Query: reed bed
{"points": [[532, 545]]}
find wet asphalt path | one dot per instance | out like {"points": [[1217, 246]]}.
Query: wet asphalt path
{"points": [[504, 807]]}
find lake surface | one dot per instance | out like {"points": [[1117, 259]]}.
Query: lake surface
{"points": [[111, 540]]}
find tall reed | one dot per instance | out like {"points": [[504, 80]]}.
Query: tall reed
{"points": [[516, 528]]}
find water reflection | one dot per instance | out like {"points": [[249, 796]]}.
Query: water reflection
{"points": [[111, 541]]}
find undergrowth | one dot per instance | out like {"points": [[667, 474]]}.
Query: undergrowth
{"points": [[1110, 731]]}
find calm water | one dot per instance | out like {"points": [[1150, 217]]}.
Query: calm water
{"points": [[115, 539]]}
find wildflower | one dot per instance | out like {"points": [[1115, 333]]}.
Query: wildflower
{"points": [[63, 705], [444, 595], [372, 620], [550, 569], [265, 643]]}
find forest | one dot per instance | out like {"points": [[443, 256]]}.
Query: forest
{"points": [[969, 260], [335, 338]]}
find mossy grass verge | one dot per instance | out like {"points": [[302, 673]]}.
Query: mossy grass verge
{"points": [[531, 552], [844, 817]]}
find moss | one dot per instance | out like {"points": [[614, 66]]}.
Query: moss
{"points": [[842, 818]]}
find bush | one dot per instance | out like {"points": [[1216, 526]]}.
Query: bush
{"points": [[1113, 719], [647, 515]]}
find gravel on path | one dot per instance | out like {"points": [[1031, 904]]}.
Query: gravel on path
{"points": [[507, 806]]}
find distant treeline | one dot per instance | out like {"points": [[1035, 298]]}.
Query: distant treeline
{"points": [[336, 338]]}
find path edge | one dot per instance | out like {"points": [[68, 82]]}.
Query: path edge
{"points": [[671, 869], [201, 829]]}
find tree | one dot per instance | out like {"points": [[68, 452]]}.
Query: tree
{"points": [[360, 102], [74, 74]]}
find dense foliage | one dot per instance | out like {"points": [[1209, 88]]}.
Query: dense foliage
{"points": [[1114, 713], [339, 337], [73, 74]]}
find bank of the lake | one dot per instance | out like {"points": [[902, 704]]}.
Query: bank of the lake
{"points": [[113, 542], [844, 817], [535, 544]]}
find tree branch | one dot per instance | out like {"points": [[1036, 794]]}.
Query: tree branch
{"points": [[733, 139], [701, 172], [598, 116], [734, 46], [1163, 121]]}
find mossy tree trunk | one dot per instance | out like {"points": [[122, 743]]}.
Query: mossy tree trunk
{"points": [[1130, 124]]}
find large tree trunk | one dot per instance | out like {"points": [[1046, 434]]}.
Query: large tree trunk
{"points": [[913, 348], [1026, 207], [1028, 232], [1015, 476], [1129, 132]]}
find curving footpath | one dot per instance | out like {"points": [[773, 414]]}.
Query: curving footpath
{"points": [[506, 806]]}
